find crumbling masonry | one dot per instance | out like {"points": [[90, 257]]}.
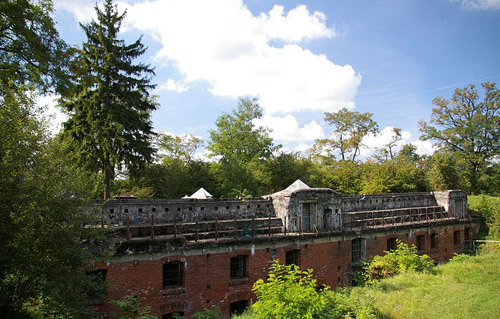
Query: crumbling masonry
{"points": [[183, 255]]}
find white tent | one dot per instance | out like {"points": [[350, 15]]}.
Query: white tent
{"points": [[200, 194], [298, 184]]}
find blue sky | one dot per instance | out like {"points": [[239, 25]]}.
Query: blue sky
{"points": [[303, 58]]}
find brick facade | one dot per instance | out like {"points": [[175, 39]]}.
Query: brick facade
{"points": [[206, 272]]}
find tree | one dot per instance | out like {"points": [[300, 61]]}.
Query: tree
{"points": [[109, 108], [242, 148], [467, 126], [347, 135], [31, 52], [388, 152], [180, 147], [42, 193]]}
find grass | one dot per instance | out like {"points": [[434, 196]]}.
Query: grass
{"points": [[461, 289], [468, 287]]}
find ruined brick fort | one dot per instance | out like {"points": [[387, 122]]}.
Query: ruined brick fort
{"points": [[186, 254]]}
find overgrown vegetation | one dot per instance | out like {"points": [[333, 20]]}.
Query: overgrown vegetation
{"points": [[489, 208], [403, 259], [466, 287], [289, 292]]}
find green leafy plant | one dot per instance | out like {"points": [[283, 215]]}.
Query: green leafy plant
{"points": [[131, 308], [208, 313], [401, 260], [288, 292]]}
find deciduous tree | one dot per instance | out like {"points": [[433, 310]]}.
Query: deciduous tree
{"points": [[349, 129], [467, 125], [242, 148], [31, 52]]}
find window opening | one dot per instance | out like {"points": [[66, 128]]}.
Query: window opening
{"points": [[292, 257], [239, 266], [172, 274]]}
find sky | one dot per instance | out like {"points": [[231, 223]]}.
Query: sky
{"points": [[304, 58]]}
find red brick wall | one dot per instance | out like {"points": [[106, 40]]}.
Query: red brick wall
{"points": [[207, 276]]}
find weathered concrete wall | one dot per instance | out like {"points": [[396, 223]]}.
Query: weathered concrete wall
{"points": [[324, 208], [357, 203], [184, 210], [453, 201]]}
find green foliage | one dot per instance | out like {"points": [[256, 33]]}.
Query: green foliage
{"points": [[288, 293], [41, 198], [208, 313], [398, 175], [242, 148], [349, 130], [467, 126], [445, 171], [489, 208], [109, 108], [131, 308], [459, 289], [401, 260], [31, 52]]}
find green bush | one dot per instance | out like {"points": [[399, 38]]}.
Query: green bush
{"points": [[401, 260], [288, 292], [489, 208], [131, 308]]}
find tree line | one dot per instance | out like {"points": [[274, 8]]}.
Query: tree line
{"points": [[108, 147]]}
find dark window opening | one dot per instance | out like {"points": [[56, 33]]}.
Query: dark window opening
{"points": [[166, 209], [153, 209], [456, 238], [111, 210], [467, 241], [126, 210], [239, 266], [420, 243], [308, 209], [293, 257], [434, 241], [140, 210], [178, 209], [238, 307], [173, 315], [172, 274], [392, 244], [216, 208], [356, 253]]}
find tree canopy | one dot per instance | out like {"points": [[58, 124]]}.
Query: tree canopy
{"points": [[31, 52], [349, 129], [109, 108], [468, 126], [242, 148]]}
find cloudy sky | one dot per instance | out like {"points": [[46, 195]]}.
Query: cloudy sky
{"points": [[304, 58]]}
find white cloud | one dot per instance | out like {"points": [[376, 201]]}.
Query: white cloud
{"points": [[424, 147], [172, 85], [56, 118], [297, 25], [374, 142], [480, 4], [287, 128], [83, 10], [224, 44]]}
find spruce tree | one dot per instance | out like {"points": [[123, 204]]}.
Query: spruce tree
{"points": [[109, 109]]}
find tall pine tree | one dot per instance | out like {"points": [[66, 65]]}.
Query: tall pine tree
{"points": [[109, 110]]}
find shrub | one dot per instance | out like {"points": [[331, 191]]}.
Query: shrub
{"points": [[401, 260], [288, 292]]}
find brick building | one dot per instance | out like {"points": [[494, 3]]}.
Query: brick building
{"points": [[183, 255]]}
